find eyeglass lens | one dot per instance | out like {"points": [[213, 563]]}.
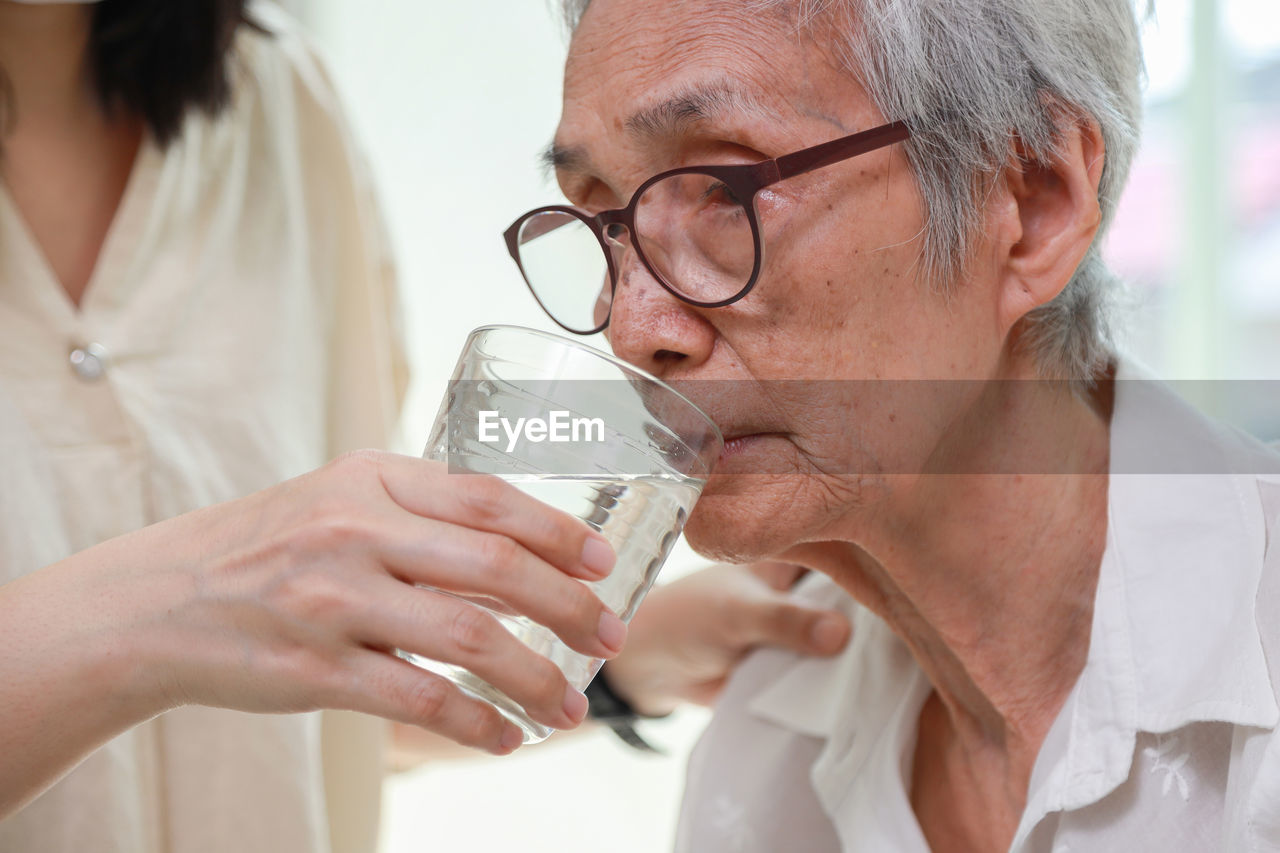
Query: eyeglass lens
{"points": [[693, 232]]}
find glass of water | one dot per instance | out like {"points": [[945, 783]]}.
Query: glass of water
{"points": [[589, 434]]}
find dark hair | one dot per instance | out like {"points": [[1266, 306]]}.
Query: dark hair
{"points": [[160, 58]]}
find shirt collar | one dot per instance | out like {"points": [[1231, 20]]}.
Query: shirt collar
{"points": [[862, 759], [1174, 639]]}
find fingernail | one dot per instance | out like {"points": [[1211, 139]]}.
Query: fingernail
{"points": [[598, 556], [827, 634], [512, 737], [575, 705], [612, 631]]}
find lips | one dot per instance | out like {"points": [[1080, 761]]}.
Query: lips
{"points": [[742, 410], [741, 443]]}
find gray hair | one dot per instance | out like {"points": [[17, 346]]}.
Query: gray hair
{"points": [[970, 77]]}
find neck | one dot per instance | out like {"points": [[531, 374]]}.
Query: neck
{"points": [[989, 578], [43, 55]]}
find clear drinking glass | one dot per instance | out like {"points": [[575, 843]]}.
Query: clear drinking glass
{"points": [[632, 461]]}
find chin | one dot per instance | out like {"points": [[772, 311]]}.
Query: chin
{"points": [[740, 519], [741, 523]]}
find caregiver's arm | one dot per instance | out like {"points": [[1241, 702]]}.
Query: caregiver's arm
{"points": [[689, 635], [291, 600], [684, 643]]}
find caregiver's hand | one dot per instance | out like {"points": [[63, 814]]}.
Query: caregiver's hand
{"points": [[689, 635], [291, 600]]}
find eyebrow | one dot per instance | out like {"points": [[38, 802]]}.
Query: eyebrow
{"points": [[673, 116], [688, 108], [572, 158]]}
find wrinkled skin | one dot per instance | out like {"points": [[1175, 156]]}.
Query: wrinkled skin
{"points": [[837, 297], [988, 580]]}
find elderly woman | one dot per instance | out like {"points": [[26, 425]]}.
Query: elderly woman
{"points": [[1061, 642]]}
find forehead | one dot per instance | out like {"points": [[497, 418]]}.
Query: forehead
{"points": [[631, 61], [662, 36]]}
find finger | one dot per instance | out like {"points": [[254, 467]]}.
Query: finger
{"points": [[706, 692], [444, 628], [469, 562], [786, 624], [486, 503], [377, 683], [780, 576]]}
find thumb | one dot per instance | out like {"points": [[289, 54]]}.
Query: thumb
{"points": [[778, 575], [784, 623]]}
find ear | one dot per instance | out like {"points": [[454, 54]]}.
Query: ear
{"points": [[1047, 216]]}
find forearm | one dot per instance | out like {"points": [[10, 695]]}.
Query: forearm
{"points": [[71, 676], [285, 601]]}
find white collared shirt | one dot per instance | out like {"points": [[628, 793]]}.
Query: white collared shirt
{"points": [[1168, 741]]}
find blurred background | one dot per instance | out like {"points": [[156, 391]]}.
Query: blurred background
{"points": [[452, 102]]}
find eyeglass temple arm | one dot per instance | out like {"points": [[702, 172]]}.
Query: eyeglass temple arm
{"points": [[836, 150]]}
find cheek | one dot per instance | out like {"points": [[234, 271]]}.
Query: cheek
{"points": [[868, 429], [839, 274]]}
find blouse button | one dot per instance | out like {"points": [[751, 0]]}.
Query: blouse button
{"points": [[89, 362]]}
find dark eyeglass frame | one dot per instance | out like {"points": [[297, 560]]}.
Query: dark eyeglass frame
{"points": [[744, 181]]}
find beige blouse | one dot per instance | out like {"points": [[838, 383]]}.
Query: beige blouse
{"points": [[238, 330]]}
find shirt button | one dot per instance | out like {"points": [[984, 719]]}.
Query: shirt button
{"points": [[89, 362]]}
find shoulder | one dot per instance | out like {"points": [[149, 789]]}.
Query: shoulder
{"points": [[787, 693], [1269, 493], [285, 107], [1268, 598], [278, 59], [1256, 756], [286, 132]]}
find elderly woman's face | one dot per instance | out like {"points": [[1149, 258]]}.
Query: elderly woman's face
{"points": [[668, 83]]}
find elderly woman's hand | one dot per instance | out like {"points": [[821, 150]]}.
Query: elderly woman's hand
{"points": [[689, 635], [292, 599]]}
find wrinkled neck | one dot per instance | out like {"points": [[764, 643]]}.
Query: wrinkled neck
{"points": [[989, 578]]}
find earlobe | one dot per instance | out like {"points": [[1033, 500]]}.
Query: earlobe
{"points": [[1051, 218]]}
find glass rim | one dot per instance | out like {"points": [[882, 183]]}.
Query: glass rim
{"points": [[607, 357]]}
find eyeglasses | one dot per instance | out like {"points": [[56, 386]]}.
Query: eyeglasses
{"points": [[695, 229]]}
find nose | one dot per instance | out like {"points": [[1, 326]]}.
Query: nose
{"points": [[652, 329]]}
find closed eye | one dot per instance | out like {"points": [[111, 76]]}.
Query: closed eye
{"points": [[719, 191]]}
